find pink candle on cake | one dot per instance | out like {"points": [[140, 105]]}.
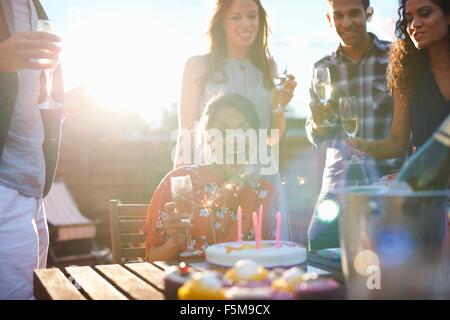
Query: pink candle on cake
{"points": [[260, 221], [278, 234], [239, 224], [256, 229]]}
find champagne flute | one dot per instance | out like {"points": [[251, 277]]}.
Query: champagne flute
{"points": [[49, 103], [184, 198], [348, 109], [279, 80], [323, 89]]}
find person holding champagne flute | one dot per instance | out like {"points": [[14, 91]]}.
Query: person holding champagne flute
{"points": [[419, 70], [238, 62], [29, 142], [45, 26], [197, 205], [356, 69], [321, 84]]}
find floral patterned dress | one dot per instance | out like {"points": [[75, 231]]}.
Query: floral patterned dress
{"points": [[215, 215]]}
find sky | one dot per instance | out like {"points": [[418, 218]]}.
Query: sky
{"points": [[130, 54]]}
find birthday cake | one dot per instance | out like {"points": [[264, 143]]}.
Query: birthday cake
{"points": [[268, 255]]}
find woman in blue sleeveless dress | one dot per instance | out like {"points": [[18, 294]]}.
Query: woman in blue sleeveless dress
{"points": [[238, 62]]}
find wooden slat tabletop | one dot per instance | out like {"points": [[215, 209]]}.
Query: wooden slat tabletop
{"points": [[130, 284], [51, 284], [142, 281], [93, 284], [138, 281], [149, 273], [163, 265]]}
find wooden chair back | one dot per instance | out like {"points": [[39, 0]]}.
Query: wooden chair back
{"points": [[127, 238]]}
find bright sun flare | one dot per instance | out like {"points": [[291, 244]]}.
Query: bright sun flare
{"points": [[134, 68]]}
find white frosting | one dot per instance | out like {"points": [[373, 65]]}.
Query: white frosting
{"points": [[245, 269], [228, 254], [293, 275], [208, 280]]}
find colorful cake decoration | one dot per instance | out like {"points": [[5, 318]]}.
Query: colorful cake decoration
{"points": [[246, 270], [202, 286]]}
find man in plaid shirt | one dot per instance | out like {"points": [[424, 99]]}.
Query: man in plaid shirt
{"points": [[357, 68]]}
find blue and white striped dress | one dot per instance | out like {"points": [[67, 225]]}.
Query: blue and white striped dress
{"points": [[244, 78]]}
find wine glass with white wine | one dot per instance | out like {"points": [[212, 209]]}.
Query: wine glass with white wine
{"points": [[323, 89], [279, 80], [348, 109], [49, 103], [184, 198]]}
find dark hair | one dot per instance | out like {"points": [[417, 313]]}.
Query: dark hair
{"points": [[406, 62], [230, 100], [365, 3], [218, 50]]}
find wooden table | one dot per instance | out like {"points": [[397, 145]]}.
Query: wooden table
{"points": [[135, 281]]}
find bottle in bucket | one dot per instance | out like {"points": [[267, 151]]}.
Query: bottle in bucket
{"points": [[429, 168]]}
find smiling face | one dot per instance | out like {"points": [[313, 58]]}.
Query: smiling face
{"points": [[427, 24], [349, 19], [241, 24]]}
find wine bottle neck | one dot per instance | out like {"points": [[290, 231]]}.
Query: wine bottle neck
{"points": [[442, 138], [443, 134]]}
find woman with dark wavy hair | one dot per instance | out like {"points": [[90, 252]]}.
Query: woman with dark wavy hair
{"points": [[218, 191], [238, 62], [418, 77]]}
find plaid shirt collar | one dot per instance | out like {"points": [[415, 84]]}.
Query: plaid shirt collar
{"points": [[378, 47]]}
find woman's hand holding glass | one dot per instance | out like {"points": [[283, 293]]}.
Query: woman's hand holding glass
{"points": [[285, 85], [174, 226], [349, 112], [283, 94], [184, 198], [359, 144]]}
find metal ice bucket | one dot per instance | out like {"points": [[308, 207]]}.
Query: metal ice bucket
{"points": [[393, 245]]}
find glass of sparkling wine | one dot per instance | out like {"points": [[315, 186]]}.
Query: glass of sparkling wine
{"points": [[49, 103], [281, 76], [184, 199], [348, 109], [323, 89]]}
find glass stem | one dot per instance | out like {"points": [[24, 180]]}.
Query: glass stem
{"points": [[49, 81], [190, 246], [354, 158], [280, 106], [325, 122]]}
